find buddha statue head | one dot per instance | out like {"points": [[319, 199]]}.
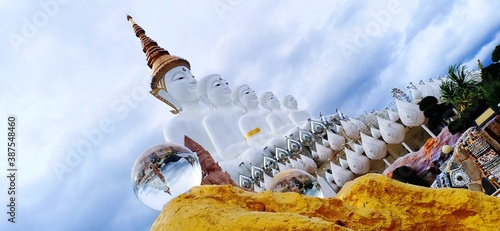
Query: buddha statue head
{"points": [[246, 97], [269, 101], [172, 80], [215, 89], [180, 84], [290, 102]]}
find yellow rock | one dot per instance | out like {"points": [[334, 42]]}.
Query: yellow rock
{"points": [[371, 202]]}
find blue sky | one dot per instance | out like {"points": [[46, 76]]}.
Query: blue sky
{"points": [[74, 74]]}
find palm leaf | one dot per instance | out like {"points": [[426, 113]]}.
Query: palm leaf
{"points": [[460, 88], [448, 91], [461, 76]]}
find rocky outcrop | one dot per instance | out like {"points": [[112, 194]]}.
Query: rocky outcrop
{"points": [[371, 202]]}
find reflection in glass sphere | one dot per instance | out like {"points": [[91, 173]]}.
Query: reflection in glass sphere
{"points": [[296, 180], [163, 172]]}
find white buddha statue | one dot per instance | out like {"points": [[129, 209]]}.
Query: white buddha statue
{"points": [[180, 86], [252, 124], [277, 119], [221, 124], [174, 84], [298, 117]]}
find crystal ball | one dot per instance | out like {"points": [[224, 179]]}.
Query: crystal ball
{"points": [[163, 172], [295, 180]]}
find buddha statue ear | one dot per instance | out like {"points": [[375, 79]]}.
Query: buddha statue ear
{"points": [[236, 98], [263, 101], [285, 102], [165, 97]]}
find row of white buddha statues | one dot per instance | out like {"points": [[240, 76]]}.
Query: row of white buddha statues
{"points": [[234, 129], [230, 125]]}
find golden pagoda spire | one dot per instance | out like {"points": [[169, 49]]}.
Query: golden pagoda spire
{"points": [[158, 59], [160, 62]]}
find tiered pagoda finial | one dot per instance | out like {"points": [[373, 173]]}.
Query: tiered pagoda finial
{"points": [[158, 59]]}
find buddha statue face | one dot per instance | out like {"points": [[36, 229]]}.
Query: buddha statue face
{"points": [[215, 89], [247, 97], [272, 101], [181, 84], [290, 102], [218, 91]]}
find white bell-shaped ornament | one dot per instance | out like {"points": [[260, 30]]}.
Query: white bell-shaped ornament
{"points": [[336, 141], [392, 133], [358, 164], [340, 175], [410, 113], [375, 149]]}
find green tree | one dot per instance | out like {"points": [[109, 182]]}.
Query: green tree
{"points": [[495, 56], [492, 93], [460, 88]]}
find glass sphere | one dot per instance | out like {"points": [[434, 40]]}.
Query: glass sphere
{"points": [[163, 172], [296, 180]]}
